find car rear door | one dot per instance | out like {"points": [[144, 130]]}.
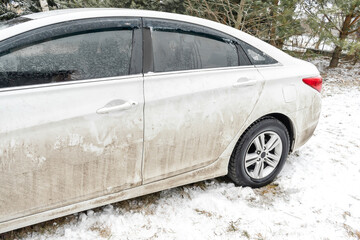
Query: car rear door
{"points": [[198, 91], [71, 114]]}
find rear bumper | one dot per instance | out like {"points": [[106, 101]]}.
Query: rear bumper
{"points": [[306, 121], [305, 135]]}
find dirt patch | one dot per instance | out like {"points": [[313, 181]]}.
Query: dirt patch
{"points": [[351, 232], [102, 230]]}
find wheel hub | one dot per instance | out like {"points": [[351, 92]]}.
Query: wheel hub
{"points": [[263, 155]]}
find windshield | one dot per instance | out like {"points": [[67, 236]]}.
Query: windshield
{"points": [[13, 22]]}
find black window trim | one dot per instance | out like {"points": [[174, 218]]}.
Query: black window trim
{"points": [[241, 52], [136, 59], [148, 55]]}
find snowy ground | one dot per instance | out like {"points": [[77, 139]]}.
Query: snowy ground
{"points": [[303, 42], [317, 195]]}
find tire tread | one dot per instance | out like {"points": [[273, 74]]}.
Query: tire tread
{"points": [[232, 163]]}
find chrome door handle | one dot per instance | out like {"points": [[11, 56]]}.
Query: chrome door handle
{"points": [[116, 105], [244, 82]]}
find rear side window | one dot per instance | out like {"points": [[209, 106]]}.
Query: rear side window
{"points": [[177, 46], [79, 56], [256, 56]]}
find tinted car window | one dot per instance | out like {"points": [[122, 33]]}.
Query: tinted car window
{"points": [[73, 50], [256, 56], [83, 56], [178, 47]]}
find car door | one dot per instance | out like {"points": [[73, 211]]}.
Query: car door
{"points": [[71, 114], [200, 88]]}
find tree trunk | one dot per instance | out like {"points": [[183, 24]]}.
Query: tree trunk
{"points": [[335, 57], [275, 3], [342, 36], [356, 58], [279, 43], [44, 5], [317, 45], [240, 14]]}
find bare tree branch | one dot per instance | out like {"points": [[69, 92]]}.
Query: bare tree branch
{"points": [[327, 17]]}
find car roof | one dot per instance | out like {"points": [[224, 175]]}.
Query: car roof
{"points": [[56, 16], [40, 15]]}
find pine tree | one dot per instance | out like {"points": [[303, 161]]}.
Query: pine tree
{"points": [[273, 21], [13, 8], [339, 20], [5, 11]]}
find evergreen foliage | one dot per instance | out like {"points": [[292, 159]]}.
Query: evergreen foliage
{"points": [[337, 22], [273, 21]]}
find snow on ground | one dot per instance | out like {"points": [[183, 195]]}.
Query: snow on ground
{"points": [[303, 42], [316, 196]]}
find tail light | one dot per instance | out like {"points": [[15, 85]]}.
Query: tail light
{"points": [[314, 82]]}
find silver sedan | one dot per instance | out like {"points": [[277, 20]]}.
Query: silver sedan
{"points": [[102, 105]]}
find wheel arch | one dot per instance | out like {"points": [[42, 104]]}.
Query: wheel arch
{"points": [[288, 124], [283, 119]]}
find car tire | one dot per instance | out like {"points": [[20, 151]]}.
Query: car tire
{"points": [[260, 153]]}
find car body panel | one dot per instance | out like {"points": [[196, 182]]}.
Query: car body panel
{"points": [[40, 159], [303, 108], [192, 116], [216, 169], [56, 150]]}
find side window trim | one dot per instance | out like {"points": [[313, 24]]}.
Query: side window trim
{"points": [[57, 30], [244, 59], [148, 55], [136, 62], [202, 31]]}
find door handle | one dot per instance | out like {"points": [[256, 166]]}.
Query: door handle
{"points": [[116, 105], [244, 82]]}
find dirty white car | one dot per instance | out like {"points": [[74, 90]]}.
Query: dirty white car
{"points": [[102, 105]]}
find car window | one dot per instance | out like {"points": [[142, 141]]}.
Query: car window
{"points": [[72, 50], [256, 56], [183, 48], [78, 57]]}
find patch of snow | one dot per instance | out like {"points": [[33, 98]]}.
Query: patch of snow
{"points": [[13, 143], [303, 42], [345, 73], [75, 139], [89, 147], [37, 160]]}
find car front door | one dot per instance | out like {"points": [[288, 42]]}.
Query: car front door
{"points": [[199, 91], [71, 114]]}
